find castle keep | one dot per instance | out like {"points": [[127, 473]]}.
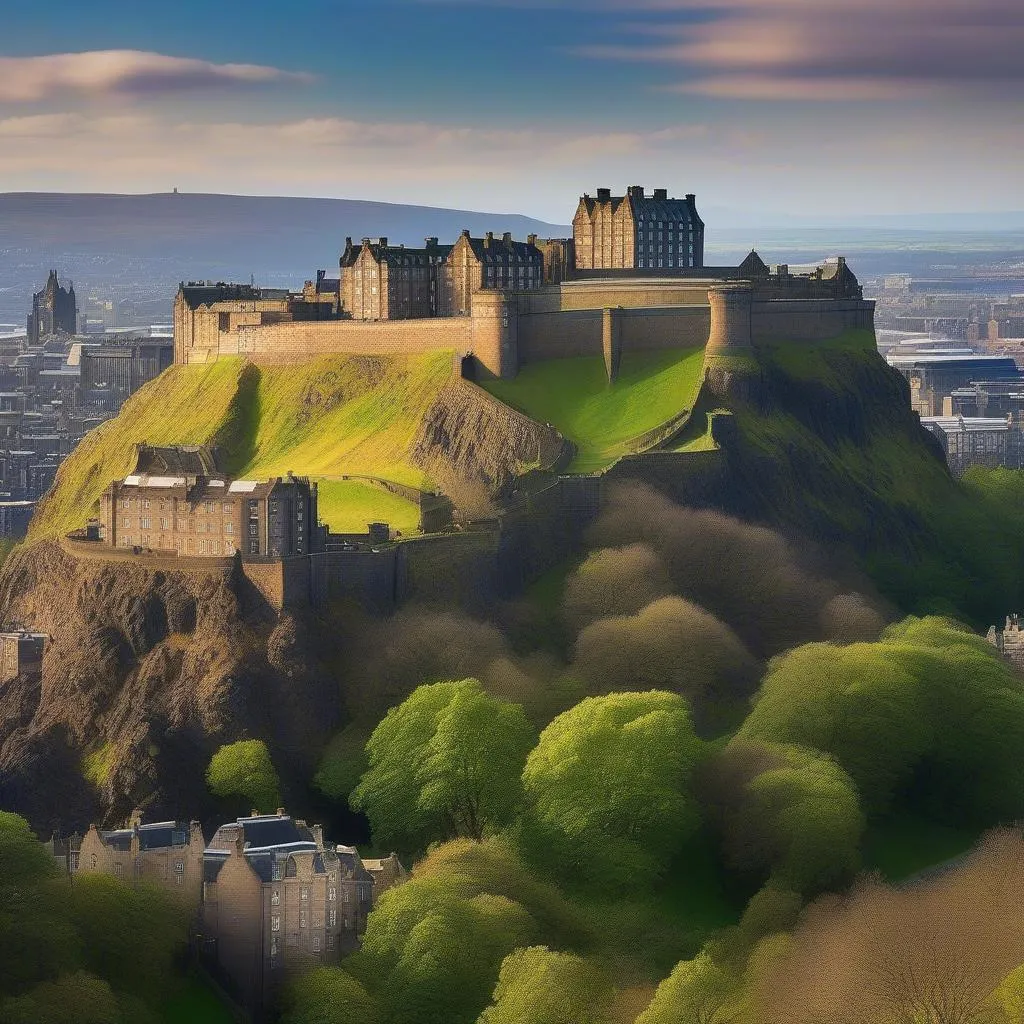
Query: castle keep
{"points": [[631, 278]]}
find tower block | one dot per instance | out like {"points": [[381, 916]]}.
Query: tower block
{"points": [[731, 309]]}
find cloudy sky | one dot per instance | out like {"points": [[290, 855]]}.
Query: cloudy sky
{"points": [[807, 107]]}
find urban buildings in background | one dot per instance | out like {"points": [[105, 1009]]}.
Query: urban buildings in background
{"points": [[960, 344], [56, 384], [269, 897]]}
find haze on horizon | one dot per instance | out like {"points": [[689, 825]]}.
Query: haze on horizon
{"points": [[766, 107]]}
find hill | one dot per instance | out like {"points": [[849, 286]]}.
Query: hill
{"points": [[335, 416]]}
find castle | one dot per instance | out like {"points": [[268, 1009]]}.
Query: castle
{"points": [[631, 278]]}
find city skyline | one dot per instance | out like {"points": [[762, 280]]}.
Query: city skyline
{"points": [[773, 107]]}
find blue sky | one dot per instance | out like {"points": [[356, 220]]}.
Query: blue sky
{"points": [[766, 107]]}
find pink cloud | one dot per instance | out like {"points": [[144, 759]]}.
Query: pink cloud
{"points": [[125, 72]]}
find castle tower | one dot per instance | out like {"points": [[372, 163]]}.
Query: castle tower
{"points": [[731, 308], [495, 317]]}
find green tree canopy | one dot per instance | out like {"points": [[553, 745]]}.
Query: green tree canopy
{"points": [[328, 995], [539, 986], [930, 714], [445, 762], [788, 815], [609, 785], [698, 991], [432, 951], [77, 998], [245, 769]]}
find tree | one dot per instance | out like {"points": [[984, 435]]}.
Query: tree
{"points": [[698, 991], [77, 998], [786, 815], [930, 714], [446, 762], [328, 995], [608, 785], [539, 986], [433, 948], [245, 769]]}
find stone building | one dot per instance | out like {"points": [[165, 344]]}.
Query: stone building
{"points": [[390, 282], [178, 502], [166, 854], [978, 441], [637, 231], [54, 310], [387, 872], [109, 374], [21, 652], [277, 900], [1009, 640], [559, 255], [491, 263]]}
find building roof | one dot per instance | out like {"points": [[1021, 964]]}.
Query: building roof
{"points": [[969, 424], [492, 249], [159, 835], [177, 460], [205, 293]]}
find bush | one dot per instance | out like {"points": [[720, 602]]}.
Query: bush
{"points": [[245, 769]]}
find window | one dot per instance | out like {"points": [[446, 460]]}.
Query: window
{"points": [[165, 524], [303, 918], [228, 507], [332, 917], [229, 527], [275, 897], [332, 894], [119, 871], [126, 503], [254, 529], [254, 508], [304, 893], [273, 948], [146, 523], [145, 504], [254, 547], [316, 943], [345, 894], [275, 922], [275, 871], [330, 942], [125, 522]]}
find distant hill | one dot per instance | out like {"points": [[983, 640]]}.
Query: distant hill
{"points": [[264, 232]]}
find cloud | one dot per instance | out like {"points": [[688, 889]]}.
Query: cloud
{"points": [[808, 50], [125, 73]]}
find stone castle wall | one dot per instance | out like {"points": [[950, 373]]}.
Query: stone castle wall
{"points": [[507, 330]]}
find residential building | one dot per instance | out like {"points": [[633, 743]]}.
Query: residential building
{"points": [[637, 231], [1009, 641], [475, 264], [277, 900], [390, 282], [178, 502], [114, 372], [387, 872], [166, 854]]}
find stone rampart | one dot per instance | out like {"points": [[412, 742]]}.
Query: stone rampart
{"points": [[808, 319]]}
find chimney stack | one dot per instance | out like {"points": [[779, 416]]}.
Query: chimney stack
{"points": [[488, 239], [604, 194], [661, 194], [507, 236]]}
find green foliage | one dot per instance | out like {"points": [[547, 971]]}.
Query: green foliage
{"points": [[130, 935], [601, 418], [98, 765], [77, 998], [431, 953], [328, 995], [539, 986], [343, 762], [697, 990], [445, 762], [245, 769], [786, 814], [930, 716], [608, 786]]}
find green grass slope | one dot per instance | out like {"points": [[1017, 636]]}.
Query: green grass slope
{"points": [[831, 448], [601, 418], [348, 505], [334, 416]]}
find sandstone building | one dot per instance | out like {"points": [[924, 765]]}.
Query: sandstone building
{"points": [[499, 264], [166, 854], [177, 501], [637, 231], [21, 652], [276, 900], [54, 310], [390, 282]]}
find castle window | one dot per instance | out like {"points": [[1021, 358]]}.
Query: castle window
{"points": [[146, 523], [254, 547], [316, 943], [275, 871], [125, 523], [254, 530], [303, 918], [229, 527], [275, 922], [332, 917], [145, 504], [330, 942], [275, 897], [228, 507], [304, 893], [332, 893]]}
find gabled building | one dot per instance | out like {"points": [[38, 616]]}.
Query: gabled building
{"points": [[492, 263], [390, 282], [167, 854], [54, 311], [178, 502], [277, 900], [637, 231]]}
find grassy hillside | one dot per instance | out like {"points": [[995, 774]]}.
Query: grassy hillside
{"points": [[349, 505], [598, 417], [336, 415]]}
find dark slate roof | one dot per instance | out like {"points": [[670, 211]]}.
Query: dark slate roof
{"points": [[177, 460], [261, 832], [159, 836], [197, 293], [500, 251], [120, 840]]}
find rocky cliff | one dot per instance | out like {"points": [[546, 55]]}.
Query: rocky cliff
{"points": [[145, 675]]}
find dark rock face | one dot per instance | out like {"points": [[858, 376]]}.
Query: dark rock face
{"points": [[146, 674]]}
